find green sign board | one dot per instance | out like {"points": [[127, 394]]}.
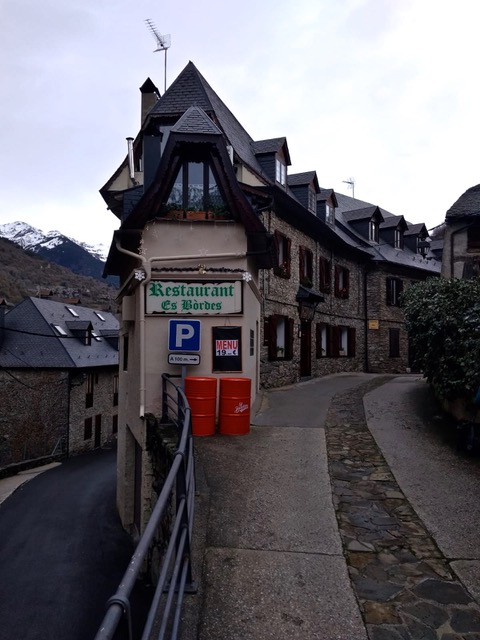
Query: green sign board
{"points": [[197, 298]]}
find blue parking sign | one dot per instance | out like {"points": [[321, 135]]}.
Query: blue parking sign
{"points": [[184, 335]]}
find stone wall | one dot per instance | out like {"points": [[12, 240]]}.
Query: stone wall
{"points": [[102, 406], [34, 416], [279, 294]]}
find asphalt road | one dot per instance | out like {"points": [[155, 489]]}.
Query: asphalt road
{"points": [[62, 551]]}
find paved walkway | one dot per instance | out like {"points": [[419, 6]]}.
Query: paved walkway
{"points": [[308, 534]]}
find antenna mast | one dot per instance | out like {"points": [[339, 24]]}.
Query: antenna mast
{"points": [[351, 185], [163, 43]]}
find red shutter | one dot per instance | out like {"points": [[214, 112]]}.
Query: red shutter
{"points": [[352, 336], [337, 280], [334, 342], [301, 257], [289, 338], [272, 338], [288, 257], [389, 291]]}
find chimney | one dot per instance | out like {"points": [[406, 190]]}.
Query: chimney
{"points": [[150, 95], [152, 149]]}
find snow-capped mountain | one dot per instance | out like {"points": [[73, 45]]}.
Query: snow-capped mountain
{"points": [[77, 256], [30, 238]]}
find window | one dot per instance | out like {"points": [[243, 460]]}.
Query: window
{"points": [[252, 342], [394, 343], [312, 200], [195, 188], [99, 315], [283, 245], [473, 238], [394, 291], [115, 390], [278, 336], [373, 231], [306, 267], [72, 311], [89, 393], [329, 214], [342, 282], [322, 340], [280, 172], [324, 270], [59, 329], [398, 241], [335, 341], [87, 428], [114, 424]]}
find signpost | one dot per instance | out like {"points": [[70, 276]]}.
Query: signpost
{"points": [[184, 335]]}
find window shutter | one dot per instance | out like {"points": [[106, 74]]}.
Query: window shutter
{"points": [[266, 332], [352, 341], [389, 291], [346, 280], [301, 257], [288, 257], [328, 341], [272, 338], [290, 338], [318, 340], [337, 280], [334, 342]]}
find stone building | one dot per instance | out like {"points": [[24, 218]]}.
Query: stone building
{"points": [[214, 229], [461, 243], [59, 379]]}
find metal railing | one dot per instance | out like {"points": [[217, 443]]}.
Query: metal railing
{"points": [[175, 576]]}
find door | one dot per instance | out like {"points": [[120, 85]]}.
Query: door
{"points": [[306, 349], [98, 431]]}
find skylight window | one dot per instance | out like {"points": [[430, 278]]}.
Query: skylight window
{"points": [[99, 315], [96, 336], [73, 312], [59, 329]]}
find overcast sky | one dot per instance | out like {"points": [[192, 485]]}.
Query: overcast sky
{"points": [[384, 91]]}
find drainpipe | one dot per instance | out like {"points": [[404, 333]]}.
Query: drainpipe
{"points": [[146, 264]]}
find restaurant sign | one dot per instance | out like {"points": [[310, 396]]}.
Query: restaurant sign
{"points": [[197, 298]]}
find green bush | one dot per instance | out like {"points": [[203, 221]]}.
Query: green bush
{"points": [[443, 324]]}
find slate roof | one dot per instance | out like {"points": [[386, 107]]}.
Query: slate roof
{"points": [[467, 206], [416, 229], [195, 120], [191, 89], [31, 341], [297, 179], [393, 222], [382, 251], [360, 214]]}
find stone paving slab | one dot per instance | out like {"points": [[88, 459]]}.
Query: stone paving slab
{"points": [[403, 582], [289, 597], [442, 484], [263, 483]]}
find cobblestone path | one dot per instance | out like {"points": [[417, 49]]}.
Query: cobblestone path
{"points": [[404, 586]]}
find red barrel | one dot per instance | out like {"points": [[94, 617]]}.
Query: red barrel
{"points": [[234, 406], [202, 397]]}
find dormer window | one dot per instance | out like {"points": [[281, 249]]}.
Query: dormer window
{"points": [[280, 172], [373, 230], [329, 214], [398, 242], [312, 200], [195, 188]]}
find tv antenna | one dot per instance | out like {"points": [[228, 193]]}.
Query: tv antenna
{"points": [[351, 185], [163, 43]]}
